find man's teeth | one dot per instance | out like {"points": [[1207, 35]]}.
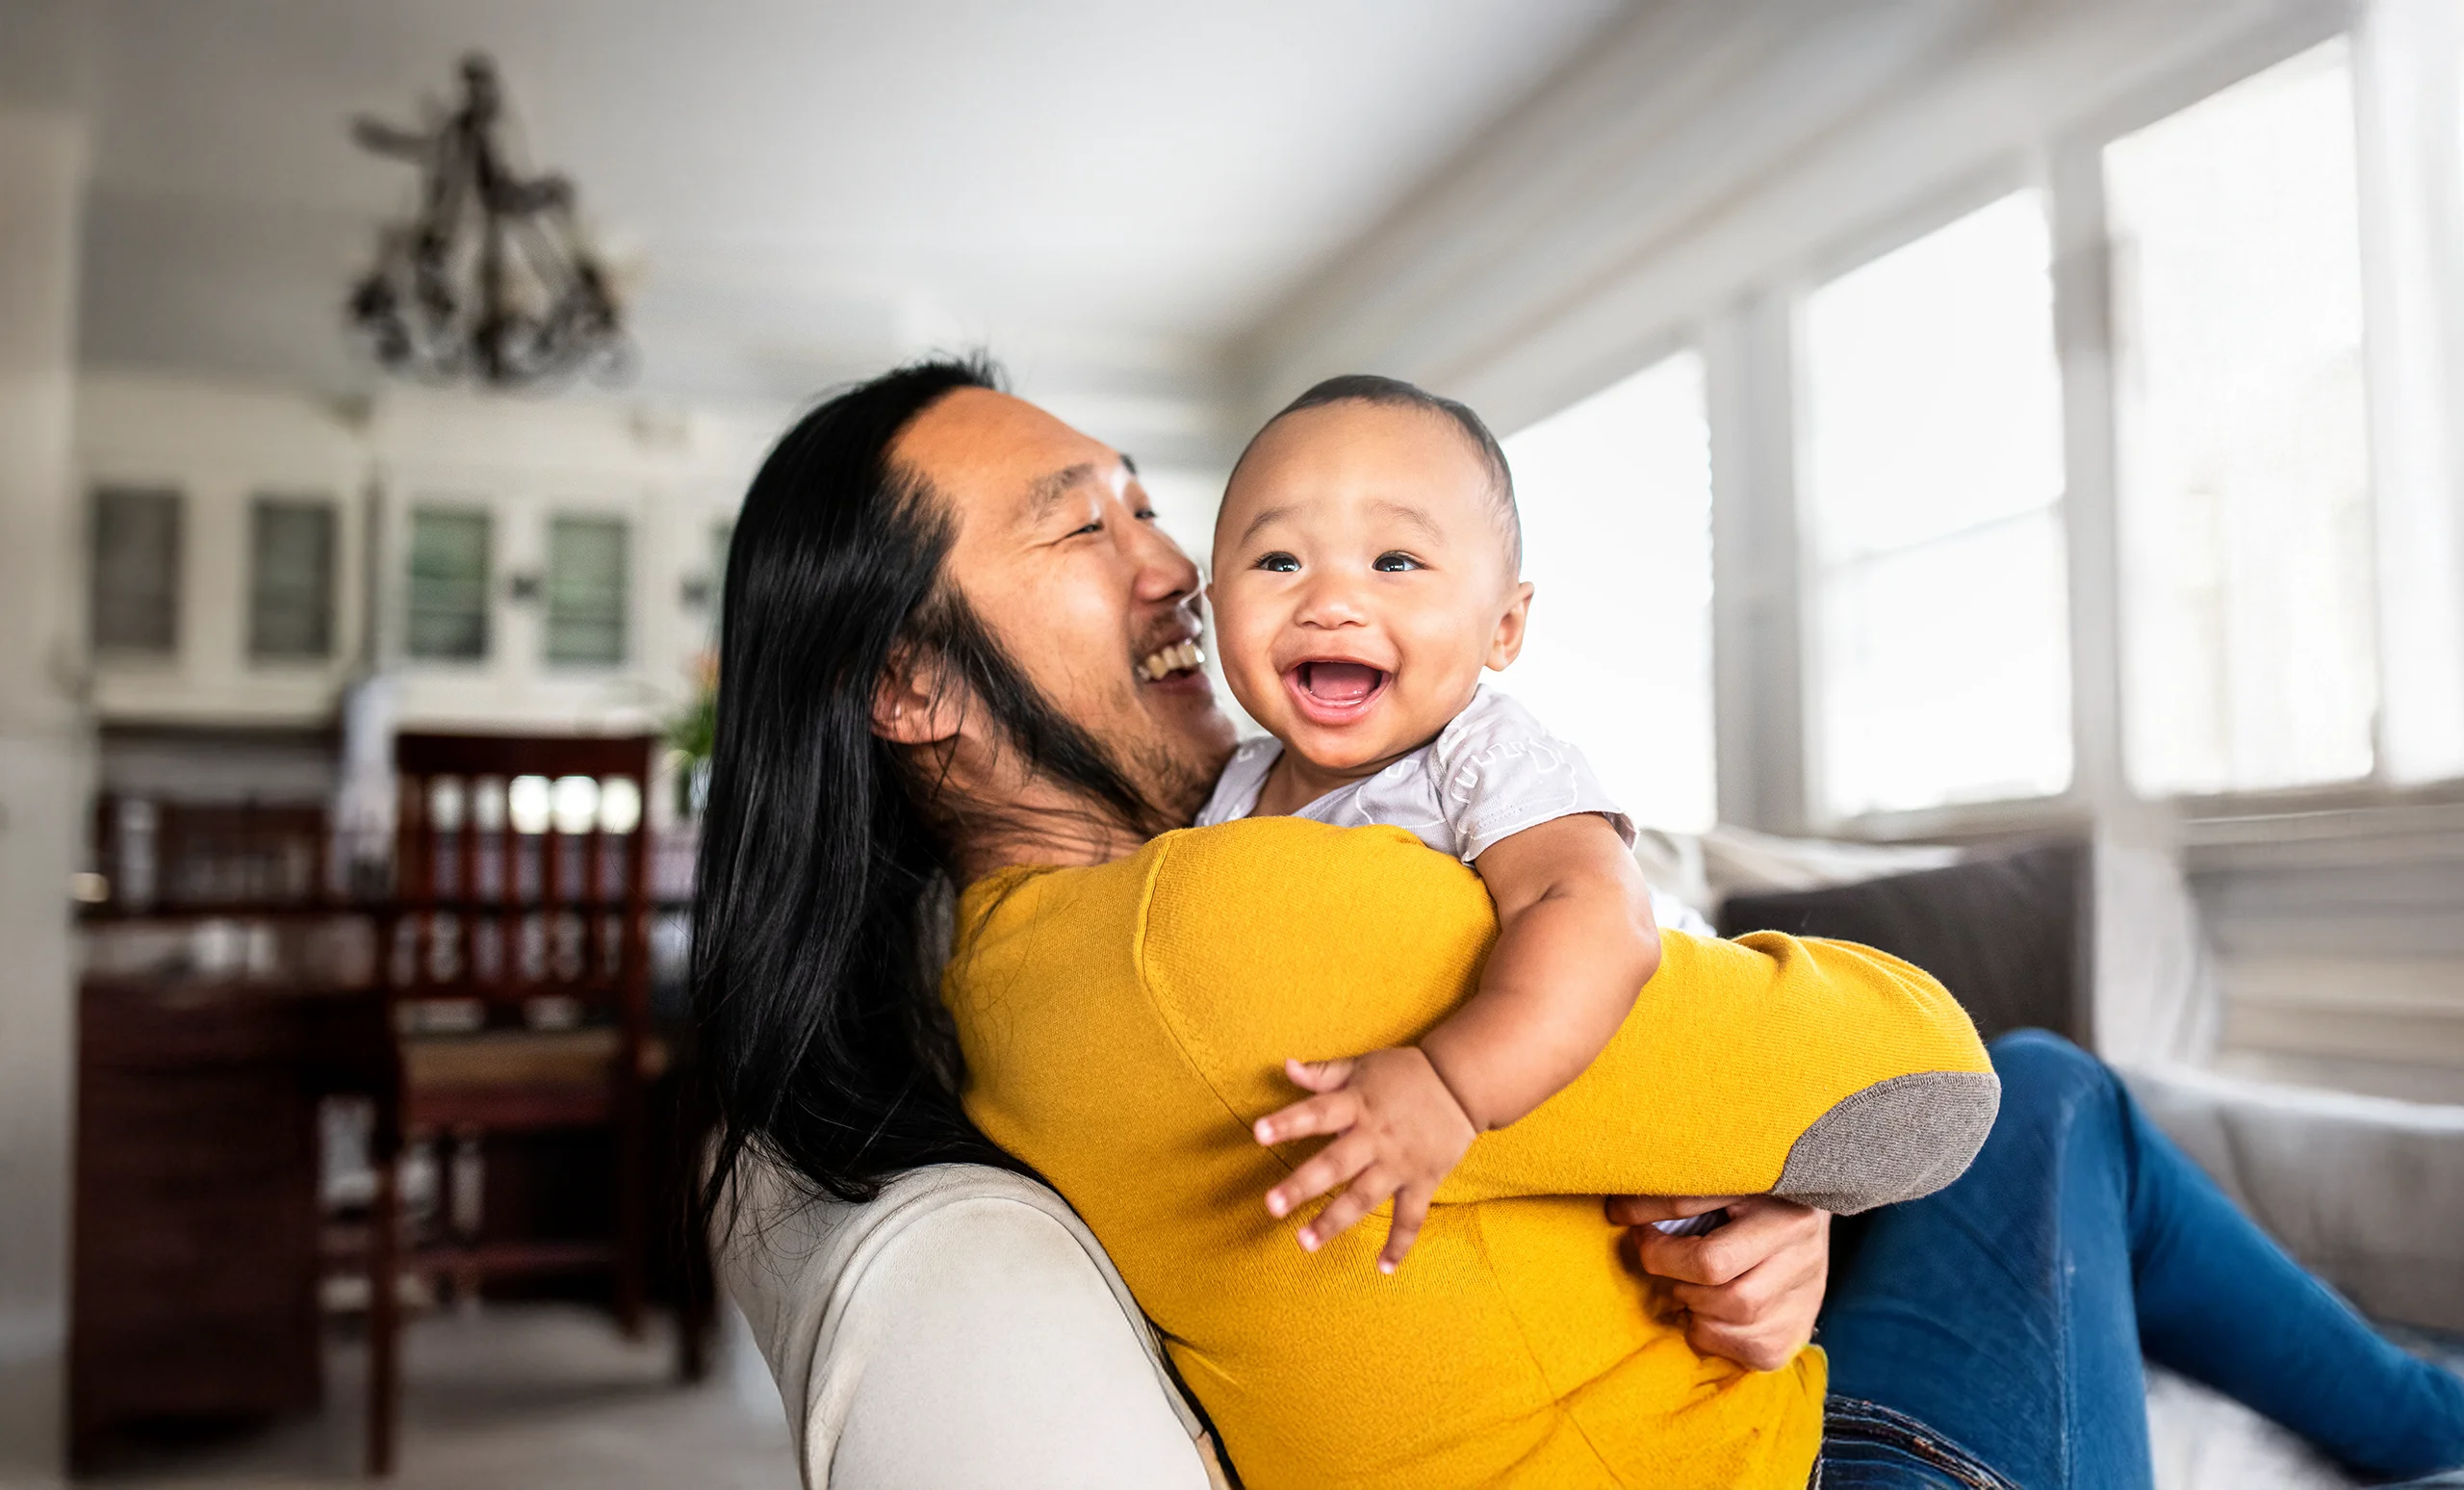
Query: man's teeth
{"points": [[1180, 656]]}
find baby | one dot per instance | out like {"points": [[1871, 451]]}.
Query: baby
{"points": [[1368, 565]]}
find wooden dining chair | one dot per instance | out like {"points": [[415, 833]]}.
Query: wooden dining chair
{"points": [[515, 958]]}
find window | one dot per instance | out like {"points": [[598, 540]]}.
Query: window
{"points": [[1616, 499], [2242, 434], [1932, 482], [586, 590], [449, 584], [291, 578], [133, 606]]}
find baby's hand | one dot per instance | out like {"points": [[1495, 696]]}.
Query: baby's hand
{"points": [[1399, 1132]]}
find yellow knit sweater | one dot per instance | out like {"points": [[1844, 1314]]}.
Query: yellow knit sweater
{"points": [[1123, 1026]]}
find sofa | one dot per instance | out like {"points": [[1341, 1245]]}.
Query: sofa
{"points": [[2100, 941]]}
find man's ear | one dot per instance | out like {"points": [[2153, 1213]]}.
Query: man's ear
{"points": [[912, 704], [1507, 644]]}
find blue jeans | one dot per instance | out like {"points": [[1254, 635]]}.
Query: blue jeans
{"points": [[1991, 1335]]}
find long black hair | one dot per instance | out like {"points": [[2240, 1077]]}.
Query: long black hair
{"points": [[823, 878]]}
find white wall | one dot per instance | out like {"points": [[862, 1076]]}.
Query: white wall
{"points": [[45, 755]]}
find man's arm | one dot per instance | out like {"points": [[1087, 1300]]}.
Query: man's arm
{"points": [[956, 1331], [1822, 1072]]}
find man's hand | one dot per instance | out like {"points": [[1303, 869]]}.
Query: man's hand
{"points": [[1397, 1133], [1751, 1289]]}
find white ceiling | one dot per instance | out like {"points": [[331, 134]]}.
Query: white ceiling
{"points": [[1106, 191]]}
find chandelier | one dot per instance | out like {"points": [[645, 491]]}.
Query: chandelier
{"points": [[491, 280]]}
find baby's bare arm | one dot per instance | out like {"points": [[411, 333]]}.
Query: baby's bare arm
{"points": [[1575, 942]]}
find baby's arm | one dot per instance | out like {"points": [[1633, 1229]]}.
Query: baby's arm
{"points": [[1575, 942]]}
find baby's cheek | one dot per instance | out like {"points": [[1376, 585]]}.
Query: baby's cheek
{"points": [[1246, 669], [1241, 640]]}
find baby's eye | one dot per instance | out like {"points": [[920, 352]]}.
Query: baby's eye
{"points": [[1278, 563], [1394, 562]]}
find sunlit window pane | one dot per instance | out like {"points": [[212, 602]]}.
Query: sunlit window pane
{"points": [[1932, 471], [1944, 670], [2243, 457], [1616, 499]]}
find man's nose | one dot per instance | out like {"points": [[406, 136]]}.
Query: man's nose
{"points": [[1164, 572]]}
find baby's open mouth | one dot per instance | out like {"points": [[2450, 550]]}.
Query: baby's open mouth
{"points": [[1335, 692]]}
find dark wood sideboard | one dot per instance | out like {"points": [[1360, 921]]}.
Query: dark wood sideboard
{"points": [[197, 1225]]}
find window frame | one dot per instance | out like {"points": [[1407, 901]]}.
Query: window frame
{"points": [[2079, 164], [1956, 200], [1685, 337], [2067, 168]]}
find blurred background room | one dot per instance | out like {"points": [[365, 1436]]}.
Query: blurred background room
{"points": [[1993, 473]]}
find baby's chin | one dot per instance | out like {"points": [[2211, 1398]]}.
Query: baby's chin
{"points": [[1348, 747]]}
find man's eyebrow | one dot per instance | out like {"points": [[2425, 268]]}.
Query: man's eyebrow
{"points": [[1048, 490], [1410, 514], [1264, 518]]}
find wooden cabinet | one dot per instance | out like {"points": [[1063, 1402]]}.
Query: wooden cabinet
{"points": [[196, 1250]]}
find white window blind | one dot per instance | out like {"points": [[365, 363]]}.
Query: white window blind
{"points": [[2243, 430], [1932, 478], [1616, 501]]}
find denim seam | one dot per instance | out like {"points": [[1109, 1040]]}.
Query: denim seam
{"points": [[1854, 1420], [2065, 1342]]}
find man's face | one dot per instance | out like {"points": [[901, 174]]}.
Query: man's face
{"points": [[1057, 553]]}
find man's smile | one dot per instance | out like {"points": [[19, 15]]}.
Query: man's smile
{"points": [[1176, 667]]}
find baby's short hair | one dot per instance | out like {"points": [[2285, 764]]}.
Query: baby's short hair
{"points": [[1394, 393]]}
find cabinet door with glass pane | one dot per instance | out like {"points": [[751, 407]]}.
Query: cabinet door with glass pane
{"points": [[588, 591], [446, 585], [519, 597]]}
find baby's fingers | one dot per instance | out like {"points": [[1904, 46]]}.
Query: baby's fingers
{"points": [[1331, 1165], [1335, 1111], [1365, 1195], [1411, 1211], [1318, 1075]]}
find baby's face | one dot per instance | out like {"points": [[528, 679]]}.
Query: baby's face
{"points": [[1363, 577]]}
